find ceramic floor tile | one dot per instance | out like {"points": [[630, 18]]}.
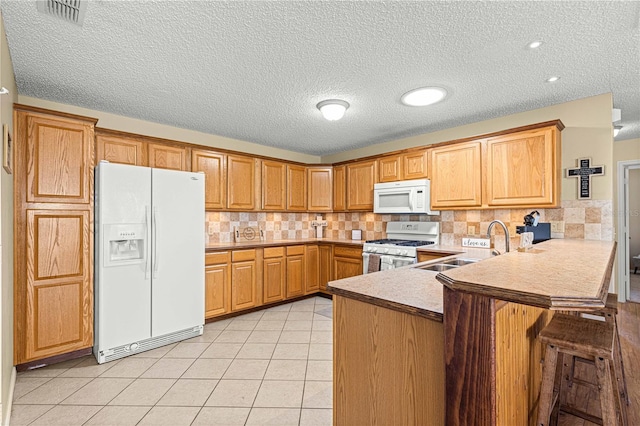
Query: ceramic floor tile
{"points": [[295, 337], [157, 352], [319, 370], [318, 394], [234, 393], [300, 316], [24, 385], [239, 324], [246, 369], [222, 350], [321, 336], [274, 416], [280, 393], [321, 351], [25, 414], [324, 312], [89, 367], [227, 416], [286, 369], [270, 325], [131, 367], [251, 316], [207, 368], [279, 308], [256, 351], [297, 325], [275, 315], [187, 350], [321, 317], [302, 307], [98, 392], [168, 368], [208, 336], [54, 391], [316, 417], [291, 351], [323, 301], [264, 337], [53, 370], [143, 392], [188, 393], [233, 336], [170, 416], [67, 415], [217, 325], [118, 416], [322, 326]]}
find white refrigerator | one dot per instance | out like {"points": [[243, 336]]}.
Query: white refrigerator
{"points": [[149, 264]]}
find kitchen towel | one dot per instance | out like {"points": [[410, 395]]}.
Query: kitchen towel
{"points": [[374, 263]]}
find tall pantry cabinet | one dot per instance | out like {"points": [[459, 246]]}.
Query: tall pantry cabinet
{"points": [[53, 242]]}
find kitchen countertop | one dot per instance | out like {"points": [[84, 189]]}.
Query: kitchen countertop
{"points": [[277, 243]]}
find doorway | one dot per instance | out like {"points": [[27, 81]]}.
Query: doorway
{"points": [[629, 231]]}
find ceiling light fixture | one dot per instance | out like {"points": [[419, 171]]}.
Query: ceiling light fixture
{"points": [[333, 109], [552, 79], [535, 44], [423, 96], [616, 130]]}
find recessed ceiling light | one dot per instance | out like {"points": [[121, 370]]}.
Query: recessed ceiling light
{"points": [[552, 79], [535, 44], [423, 96]]}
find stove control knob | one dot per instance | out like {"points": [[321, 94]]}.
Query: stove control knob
{"points": [[404, 252], [373, 249], [385, 250]]}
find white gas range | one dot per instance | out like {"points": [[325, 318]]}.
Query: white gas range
{"points": [[400, 248]]}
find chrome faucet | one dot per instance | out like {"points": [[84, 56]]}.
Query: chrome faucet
{"points": [[506, 235]]}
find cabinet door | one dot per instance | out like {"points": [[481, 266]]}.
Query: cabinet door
{"points": [[414, 165], [121, 150], [345, 267], [296, 272], [522, 169], [339, 188], [241, 180], [59, 289], [274, 277], [59, 160], [296, 188], [274, 185], [456, 176], [167, 157], [214, 166], [324, 254], [312, 263], [319, 184], [361, 177], [390, 168], [243, 285], [217, 290]]}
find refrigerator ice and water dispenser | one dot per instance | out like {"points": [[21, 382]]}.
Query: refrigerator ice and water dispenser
{"points": [[125, 244]]}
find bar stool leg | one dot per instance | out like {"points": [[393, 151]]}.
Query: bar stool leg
{"points": [[547, 398], [622, 380], [607, 399]]}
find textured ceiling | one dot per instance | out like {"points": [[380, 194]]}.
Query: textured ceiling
{"points": [[256, 70]]}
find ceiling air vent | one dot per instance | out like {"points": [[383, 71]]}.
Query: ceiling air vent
{"points": [[67, 10]]}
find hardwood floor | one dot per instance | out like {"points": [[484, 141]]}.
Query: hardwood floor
{"points": [[634, 296], [587, 398]]}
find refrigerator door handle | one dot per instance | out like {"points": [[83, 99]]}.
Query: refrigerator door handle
{"points": [[146, 246], [154, 226]]}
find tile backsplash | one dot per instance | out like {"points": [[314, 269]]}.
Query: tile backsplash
{"points": [[591, 220]]}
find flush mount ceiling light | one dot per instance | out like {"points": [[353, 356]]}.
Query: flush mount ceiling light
{"points": [[423, 96], [333, 109], [552, 79], [535, 44], [616, 130]]}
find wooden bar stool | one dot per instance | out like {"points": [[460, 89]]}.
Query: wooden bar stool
{"points": [[571, 335]]}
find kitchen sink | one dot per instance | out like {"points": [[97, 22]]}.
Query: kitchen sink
{"points": [[438, 267], [460, 262]]}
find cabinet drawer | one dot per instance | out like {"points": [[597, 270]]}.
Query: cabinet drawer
{"points": [[242, 255], [346, 251], [270, 252], [295, 250], [216, 258]]}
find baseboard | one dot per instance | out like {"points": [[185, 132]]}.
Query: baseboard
{"points": [[7, 420]]}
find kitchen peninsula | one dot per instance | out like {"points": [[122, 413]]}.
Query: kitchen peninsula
{"points": [[408, 350]]}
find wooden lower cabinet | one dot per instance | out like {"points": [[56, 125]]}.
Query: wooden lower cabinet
{"points": [[324, 265], [243, 279], [295, 271], [423, 256], [274, 274], [311, 259], [217, 282], [347, 261]]}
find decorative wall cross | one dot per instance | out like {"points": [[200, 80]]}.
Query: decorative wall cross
{"points": [[583, 172]]}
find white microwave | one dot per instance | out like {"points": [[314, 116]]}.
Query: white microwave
{"points": [[407, 196]]}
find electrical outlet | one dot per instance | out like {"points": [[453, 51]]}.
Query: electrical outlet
{"points": [[471, 230], [557, 226], [210, 230]]}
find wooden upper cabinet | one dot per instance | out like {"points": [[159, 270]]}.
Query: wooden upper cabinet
{"points": [[320, 188], [456, 176], [241, 181], [167, 157], [214, 167], [523, 168], [361, 177], [59, 158], [119, 149], [274, 185], [339, 188], [296, 188], [390, 168], [414, 165]]}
